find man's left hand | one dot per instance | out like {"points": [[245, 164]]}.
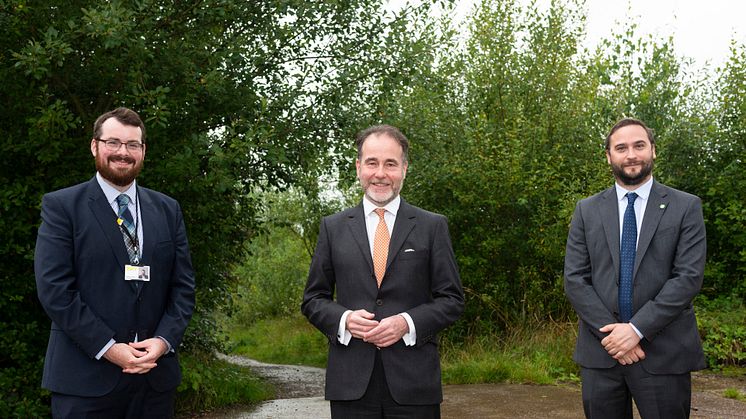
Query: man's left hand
{"points": [[154, 348], [621, 339], [388, 331]]}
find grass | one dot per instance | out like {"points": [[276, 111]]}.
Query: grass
{"points": [[209, 384], [540, 355], [734, 393], [533, 354], [286, 340]]}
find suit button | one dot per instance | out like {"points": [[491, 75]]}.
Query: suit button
{"points": [[379, 302]]}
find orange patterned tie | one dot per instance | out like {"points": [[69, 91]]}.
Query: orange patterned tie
{"points": [[380, 246]]}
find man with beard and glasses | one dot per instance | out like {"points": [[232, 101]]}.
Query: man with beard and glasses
{"points": [[113, 273], [383, 282], [634, 262]]}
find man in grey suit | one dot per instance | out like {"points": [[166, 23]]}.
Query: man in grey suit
{"points": [[392, 268], [634, 262]]}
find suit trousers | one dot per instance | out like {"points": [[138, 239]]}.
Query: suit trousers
{"points": [[377, 402], [132, 398], [608, 393]]}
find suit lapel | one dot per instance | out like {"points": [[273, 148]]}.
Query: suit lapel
{"points": [[657, 204], [356, 223], [405, 222], [107, 220], [609, 213]]}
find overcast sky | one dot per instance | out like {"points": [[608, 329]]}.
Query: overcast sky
{"points": [[702, 30]]}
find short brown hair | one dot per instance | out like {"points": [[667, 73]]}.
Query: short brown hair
{"points": [[124, 115], [389, 130], [627, 122]]}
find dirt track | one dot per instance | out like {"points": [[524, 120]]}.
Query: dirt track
{"points": [[300, 395]]}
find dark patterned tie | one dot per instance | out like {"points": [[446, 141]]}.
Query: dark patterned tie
{"points": [[627, 258], [128, 222]]}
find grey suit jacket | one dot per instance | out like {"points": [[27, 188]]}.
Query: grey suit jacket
{"points": [[423, 281], [79, 265], [668, 273]]}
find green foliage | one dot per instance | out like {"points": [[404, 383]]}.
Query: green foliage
{"points": [[722, 326], [209, 383], [235, 95], [302, 344], [271, 280], [734, 393], [507, 132], [535, 353], [531, 353]]}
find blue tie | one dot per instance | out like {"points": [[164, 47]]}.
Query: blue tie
{"points": [[627, 258]]}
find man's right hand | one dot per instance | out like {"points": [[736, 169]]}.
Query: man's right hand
{"points": [[128, 358], [360, 322], [630, 357]]}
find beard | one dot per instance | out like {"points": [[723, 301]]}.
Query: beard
{"points": [[381, 198], [119, 177], [645, 170]]}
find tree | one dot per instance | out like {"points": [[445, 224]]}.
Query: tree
{"points": [[235, 95], [507, 132]]}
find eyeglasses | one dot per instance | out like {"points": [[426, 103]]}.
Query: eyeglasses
{"points": [[114, 145]]}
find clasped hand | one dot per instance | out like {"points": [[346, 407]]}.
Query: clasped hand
{"points": [[622, 343], [136, 357], [385, 333]]}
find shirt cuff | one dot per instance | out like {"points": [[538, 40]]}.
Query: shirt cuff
{"points": [[636, 331], [409, 338], [343, 335], [170, 349], [105, 348]]}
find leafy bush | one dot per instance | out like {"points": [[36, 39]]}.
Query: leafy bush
{"points": [[722, 325], [271, 280], [209, 383]]}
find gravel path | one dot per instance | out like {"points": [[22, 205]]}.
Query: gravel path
{"points": [[301, 395]]}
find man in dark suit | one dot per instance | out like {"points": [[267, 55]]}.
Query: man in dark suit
{"points": [[112, 346], [634, 262], [392, 268]]}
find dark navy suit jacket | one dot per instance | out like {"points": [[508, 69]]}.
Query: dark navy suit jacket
{"points": [[421, 279], [79, 264]]}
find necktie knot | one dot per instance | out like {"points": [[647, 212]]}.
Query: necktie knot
{"points": [[381, 212], [124, 213], [631, 196], [123, 200]]}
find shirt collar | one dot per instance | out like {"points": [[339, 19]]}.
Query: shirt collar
{"points": [[112, 193], [391, 207], [642, 192]]}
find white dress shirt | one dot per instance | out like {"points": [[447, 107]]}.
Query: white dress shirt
{"points": [[641, 202], [371, 223], [111, 194]]}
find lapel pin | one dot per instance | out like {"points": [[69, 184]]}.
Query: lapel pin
{"points": [[663, 206]]}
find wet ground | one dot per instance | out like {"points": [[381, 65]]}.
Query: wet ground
{"points": [[301, 392]]}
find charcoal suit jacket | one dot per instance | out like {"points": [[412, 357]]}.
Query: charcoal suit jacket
{"points": [[668, 272], [421, 279]]}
